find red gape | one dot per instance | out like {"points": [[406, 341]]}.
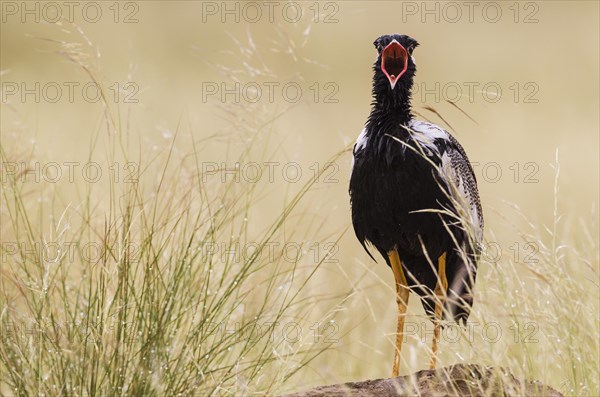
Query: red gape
{"points": [[394, 61]]}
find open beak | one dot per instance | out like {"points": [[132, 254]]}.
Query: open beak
{"points": [[394, 61]]}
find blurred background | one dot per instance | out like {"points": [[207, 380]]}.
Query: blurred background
{"points": [[515, 82]]}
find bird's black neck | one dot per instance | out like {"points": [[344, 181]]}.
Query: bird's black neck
{"points": [[390, 109]]}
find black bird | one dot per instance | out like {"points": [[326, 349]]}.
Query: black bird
{"points": [[414, 197]]}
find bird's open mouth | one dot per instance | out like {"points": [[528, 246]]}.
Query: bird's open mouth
{"points": [[394, 61]]}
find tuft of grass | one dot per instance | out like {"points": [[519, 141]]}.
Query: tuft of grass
{"points": [[163, 281], [158, 286]]}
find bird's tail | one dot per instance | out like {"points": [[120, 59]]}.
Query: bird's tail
{"points": [[459, 297]]}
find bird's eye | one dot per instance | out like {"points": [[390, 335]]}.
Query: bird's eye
{"points": [[410, 49]]}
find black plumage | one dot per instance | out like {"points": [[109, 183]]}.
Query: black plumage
{"points": [[412, 187]]}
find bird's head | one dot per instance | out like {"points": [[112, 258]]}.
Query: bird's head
{"points": [[395, 66]]}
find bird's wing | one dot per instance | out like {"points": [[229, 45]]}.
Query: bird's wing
{"points": [[458, 167], [359, 145], [456, 172], [463, 188], [361, 141], [454, 168]]}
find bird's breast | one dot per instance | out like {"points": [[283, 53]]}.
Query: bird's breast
{"points": [[396, 197]]}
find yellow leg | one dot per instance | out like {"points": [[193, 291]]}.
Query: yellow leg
{"points": [[402, 292], [440, 300]]}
